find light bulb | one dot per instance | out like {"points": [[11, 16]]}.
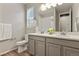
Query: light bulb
{"points": [[60, 3], [43, 7], [48, 5], [53, 4]]}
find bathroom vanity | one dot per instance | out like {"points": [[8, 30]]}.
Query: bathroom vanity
{"points": [[53, 45]]}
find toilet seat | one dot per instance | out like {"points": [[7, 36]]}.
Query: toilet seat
{"points": [[23, 41]]}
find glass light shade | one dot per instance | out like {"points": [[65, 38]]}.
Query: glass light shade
{"points": [[60, 3], [43, 7], [53, 4], [48, 5]]}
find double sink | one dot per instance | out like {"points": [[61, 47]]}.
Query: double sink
{"points": [[57, 35]]}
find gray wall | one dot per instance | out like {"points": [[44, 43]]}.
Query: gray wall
{"points": [[75, 11], [12, 14], [57, 20]]}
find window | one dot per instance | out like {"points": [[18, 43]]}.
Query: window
{"points": [[30, 17]]}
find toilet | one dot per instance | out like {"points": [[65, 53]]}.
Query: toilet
{"points": [[22, 45]]}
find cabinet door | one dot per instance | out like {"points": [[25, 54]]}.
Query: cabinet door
{"points": [[31, 46], [70, 51], [52, 49], [40, 48]]}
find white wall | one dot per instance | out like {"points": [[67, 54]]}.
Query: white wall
{"points": [[13, 14]]}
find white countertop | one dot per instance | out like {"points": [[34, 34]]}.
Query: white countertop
{"points": [[67, 37]]}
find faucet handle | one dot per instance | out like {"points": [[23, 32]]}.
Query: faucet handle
{"points": [[63, 33], [42, 32]]}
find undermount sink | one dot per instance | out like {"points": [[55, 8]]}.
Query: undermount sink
{"points": [[66, 36]]}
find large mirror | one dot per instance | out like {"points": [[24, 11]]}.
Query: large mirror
{"points": [[59, 17], [62, 17]]}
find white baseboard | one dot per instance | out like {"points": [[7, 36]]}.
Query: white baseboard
{"points": [[7, 51]]}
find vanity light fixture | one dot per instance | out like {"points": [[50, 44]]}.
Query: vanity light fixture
{"points": [[60, 3], [48, 6]]}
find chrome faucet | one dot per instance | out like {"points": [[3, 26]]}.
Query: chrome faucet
{"points": [[63, 33], [42, 32]]}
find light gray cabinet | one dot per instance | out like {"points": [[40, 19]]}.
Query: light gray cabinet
{"points": [[31, 47], [52, 49], [67, 51], [37, 45], [40, 48]]}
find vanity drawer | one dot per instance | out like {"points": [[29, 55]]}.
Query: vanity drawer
{"points": [[36, 38], [53, 40], [64, 42]]}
